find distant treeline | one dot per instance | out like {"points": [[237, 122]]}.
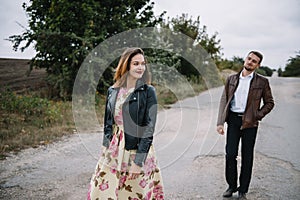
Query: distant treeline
{"points": [[292, 68]]}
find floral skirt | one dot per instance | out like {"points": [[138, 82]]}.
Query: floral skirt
{"points": [[110, 181]]}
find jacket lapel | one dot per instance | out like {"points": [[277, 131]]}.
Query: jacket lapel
{"points": [[112, 99]]}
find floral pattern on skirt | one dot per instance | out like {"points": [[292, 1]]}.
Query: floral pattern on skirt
{"points": [[110, 181]]}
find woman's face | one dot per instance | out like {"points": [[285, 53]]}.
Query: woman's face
{"points": [[137, 66]]}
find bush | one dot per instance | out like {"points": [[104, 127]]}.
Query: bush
{"points": [[30, 121], [292, 68], [265, 71], [30, 107]]}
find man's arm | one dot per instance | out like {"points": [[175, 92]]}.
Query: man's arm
{"points": [[268, 102]]}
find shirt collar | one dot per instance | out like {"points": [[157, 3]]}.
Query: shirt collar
{"points": [[250, 76]]}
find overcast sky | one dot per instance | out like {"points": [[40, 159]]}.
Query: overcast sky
{"points": [[12, 12], [270, 26]]}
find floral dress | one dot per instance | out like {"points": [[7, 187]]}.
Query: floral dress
{"points": [[110, 180]]}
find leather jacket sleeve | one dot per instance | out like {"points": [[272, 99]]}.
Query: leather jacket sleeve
{"points": [[268, 101], [150, 119], [222, 106], [108, 122]]}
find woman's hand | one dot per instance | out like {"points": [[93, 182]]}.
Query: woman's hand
{"points": [[134, 171], [220, 129], [103, 149]]}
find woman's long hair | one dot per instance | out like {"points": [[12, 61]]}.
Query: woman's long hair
{"points": [[123, 67]]}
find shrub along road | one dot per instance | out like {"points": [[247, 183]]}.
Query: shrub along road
{"points": [[190, 152]]}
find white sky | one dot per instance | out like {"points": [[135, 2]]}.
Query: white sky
{"points": [[11, 12], [269, 26]]}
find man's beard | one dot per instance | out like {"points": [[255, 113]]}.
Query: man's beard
{"points": [[248, 69]]}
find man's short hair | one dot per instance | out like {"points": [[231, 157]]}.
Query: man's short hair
{"points": [[258, 54]]}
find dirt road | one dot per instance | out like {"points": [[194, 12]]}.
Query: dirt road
{"points": [[190, 153]]}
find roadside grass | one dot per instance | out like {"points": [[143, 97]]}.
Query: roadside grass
{"points": [[27, 120], [166, 96], [30, 121]]}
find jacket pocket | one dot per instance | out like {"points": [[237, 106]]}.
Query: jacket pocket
{"points": [[256, 93], [258, 115]]}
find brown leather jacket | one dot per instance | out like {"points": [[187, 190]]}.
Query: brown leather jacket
{"points": [[254, 112]]}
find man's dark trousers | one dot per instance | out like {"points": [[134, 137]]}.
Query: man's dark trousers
{"points": [[247, 136]]}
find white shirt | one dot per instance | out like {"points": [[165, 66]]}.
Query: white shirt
{"points": [[239, 101]]}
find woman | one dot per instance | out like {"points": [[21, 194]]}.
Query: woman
{"points": [[128, 168]]}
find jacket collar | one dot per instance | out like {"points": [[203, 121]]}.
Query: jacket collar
{"points": [[254, 74], [253, 82], [140, 85], [250, 75]]}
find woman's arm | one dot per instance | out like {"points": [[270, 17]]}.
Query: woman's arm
{"points": [[107, 135], [147, 138]]}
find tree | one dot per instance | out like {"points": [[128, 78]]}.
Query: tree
{"points": [[279, 72], [236, 63], [292, 68], [265, 71], [238, 60], [64, 32], [190, 27]]}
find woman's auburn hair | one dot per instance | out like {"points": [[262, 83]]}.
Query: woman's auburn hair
{"points": [[123, 67]]}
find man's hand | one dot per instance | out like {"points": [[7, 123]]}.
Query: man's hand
{"points": [[220, 129]]}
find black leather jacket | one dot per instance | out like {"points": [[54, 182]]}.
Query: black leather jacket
{"points": [[139, 117]]}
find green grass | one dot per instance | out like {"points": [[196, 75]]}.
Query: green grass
{"points": [[30, 121]]}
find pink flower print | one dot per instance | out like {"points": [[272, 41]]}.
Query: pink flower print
{"points": [[117, 192], [119, 118], [113, 142], [113, 148], [121, 135], [132, 156], [143, 183], [150, 163], [124, 167], [148, 196], [159, 196], [157, 189], [122, 91], [98, 173], [103, 186], [89, 193], [115, 152], [113, 169], [151, 185], [149, 166], [122, 181]]}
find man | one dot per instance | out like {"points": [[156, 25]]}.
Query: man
{"points": [[240, 106]]}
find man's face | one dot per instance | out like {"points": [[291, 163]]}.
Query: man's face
{"points": [[251, 62]]}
